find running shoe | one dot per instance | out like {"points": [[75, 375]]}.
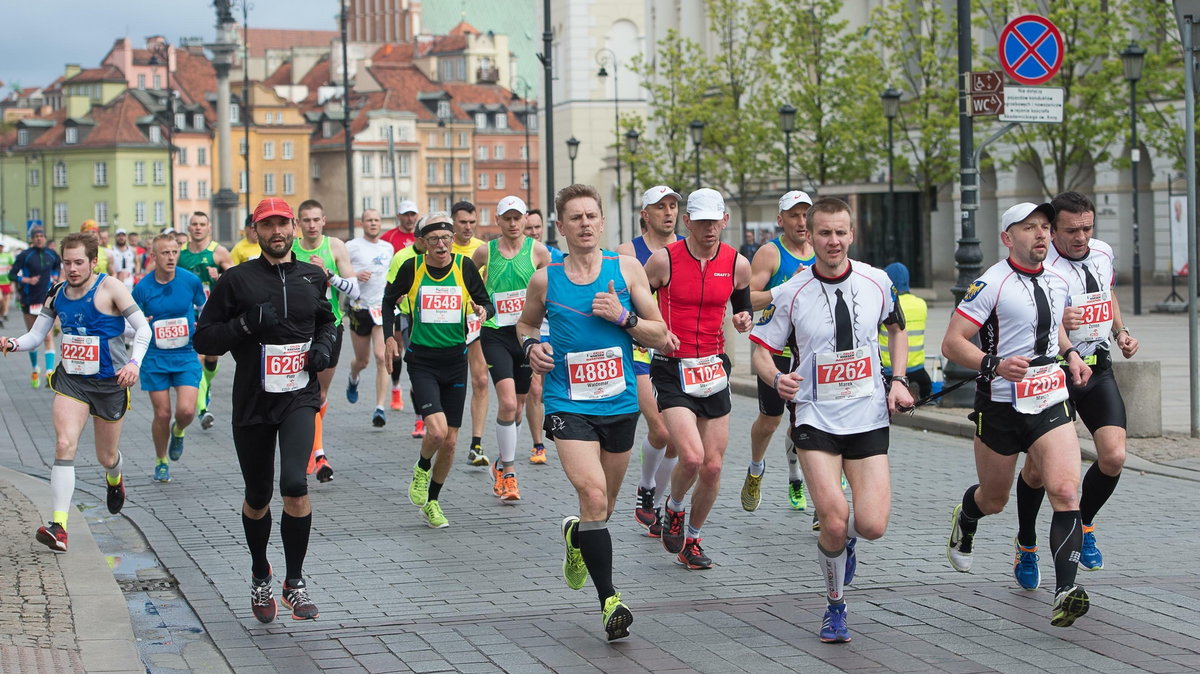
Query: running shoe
{"points": [[1025, 567], [162, 473], [796, 495], [692, 556], [509, 491], [958, 546], [851, 561], [672, 531], [537, 455], [752, 491], [324, 470], [1090, 558], [418, 430], [116, 495], [53, 536], [418, 488], [207, 420], [644, 511], [617, 618], [655, 528], [262, 599], [1069, 605], [434, 517], [575, 572], [816, 525], [351, 391], [175, 448], [476, 457], [295, 597], [497, 478], [35, 380], [833, 627], [397, 399], [379, 419]]}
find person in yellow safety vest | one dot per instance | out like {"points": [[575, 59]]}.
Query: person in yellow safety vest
{"points": [[915, 312]]}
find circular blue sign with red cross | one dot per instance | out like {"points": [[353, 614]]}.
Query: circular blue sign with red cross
{"points": [[1031, 49]]}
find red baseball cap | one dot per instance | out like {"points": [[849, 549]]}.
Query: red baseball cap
{"points": [[272, 206]]}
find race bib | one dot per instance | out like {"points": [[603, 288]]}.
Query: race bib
{"points": [[376, 315], [81, 354], [702, 377], [171, 333], [844, 375], [1043, 386], [441, 304], [1097, 316], [596, 375], [474, 324], [283, 367], [35, 309], [509, 306]]}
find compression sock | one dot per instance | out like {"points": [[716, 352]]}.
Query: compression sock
{"points": [[651, 457], [833, 569], [258, 533], [62, 486], [662, 479], [794, 472], [49, 360], [1066, 537], [33, 360], [968, 518], [506, 442], [595, 545], [202, 393], [112, 474], [1097, 487], [1029, 502], [435, 490], [424, 463], [294, 532], [757, 468]]}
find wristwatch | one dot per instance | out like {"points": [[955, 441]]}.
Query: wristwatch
{"points": [[630, 322]]}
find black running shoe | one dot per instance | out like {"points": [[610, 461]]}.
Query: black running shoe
{"points": [[644, 512], [692, 556], [295, 597], [656, 527], [672, 530], [262, 599], [116, 496]]}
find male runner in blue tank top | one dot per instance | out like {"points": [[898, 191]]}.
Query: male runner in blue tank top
{"points": [[597, 303]]}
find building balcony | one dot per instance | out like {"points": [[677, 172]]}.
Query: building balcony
{"points": [[487, 75]]}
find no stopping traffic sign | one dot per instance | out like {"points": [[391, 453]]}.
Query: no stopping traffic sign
{"points": [[1031, 49]]}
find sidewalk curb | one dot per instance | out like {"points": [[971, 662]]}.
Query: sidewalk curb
{"points": [[102, 625]]}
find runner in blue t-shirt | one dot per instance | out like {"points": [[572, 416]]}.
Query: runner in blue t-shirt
{"points": [[169, 297]]}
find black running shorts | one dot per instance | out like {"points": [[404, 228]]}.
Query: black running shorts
{"points": [[849, 446], [664, 374], [439, 381], [1099, 402], [769, 402], [105, 398], [1007, 431], [614, 433], [360, 322], [337, 348], [505, 359]]}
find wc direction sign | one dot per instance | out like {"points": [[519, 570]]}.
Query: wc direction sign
{"points": [[1031, 49]]}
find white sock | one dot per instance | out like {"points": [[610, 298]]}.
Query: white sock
{"points": [[833, 569], [506, 441], [757, 468], [651, 457], [62, 486], [851, 532], [794, 473], [662, 479], [115, 471]]}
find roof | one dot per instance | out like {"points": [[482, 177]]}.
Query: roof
{"points": [[195, 77], [112, 124], [260, 40], [463, 28], [106, 74], [393, 54], [282, 75]]}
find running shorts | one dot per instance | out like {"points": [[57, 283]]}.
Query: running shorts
{"points": [[505, 359], [849, 446], [1007, 431], [105, 398], [664, 374], [615, 433], [439, 382], [769, 402], [361, 322], [160, 379]]}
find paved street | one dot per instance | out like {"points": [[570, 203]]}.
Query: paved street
{"points": [[486, 594]]}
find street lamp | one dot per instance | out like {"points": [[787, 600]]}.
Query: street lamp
{"points": [[603, 57], [442, 125], [525, 123], [891, 107], [787, 120], [1133, 56], [572, 153], [160, 55], [697, 130], [632, 140]]}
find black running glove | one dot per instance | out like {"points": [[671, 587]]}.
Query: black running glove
{"points": [[259, 319]]}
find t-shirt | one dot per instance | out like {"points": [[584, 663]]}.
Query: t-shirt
{"points": [[467, 250], [372, 257], [1002, 303], [164, 305], [804, 317], [399, 239], [1098, 263], [244, 250]]}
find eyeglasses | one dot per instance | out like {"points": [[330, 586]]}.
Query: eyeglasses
{"points": [[434, 240]]}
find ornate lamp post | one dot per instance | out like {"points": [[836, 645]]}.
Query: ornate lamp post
{"points": [[572, 152], [603, 57], [787, 121], [632, 141], [891, 107], [1132, 57]]}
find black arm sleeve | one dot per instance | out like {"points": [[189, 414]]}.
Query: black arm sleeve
{"points": [[740, 299], [394, 292], [475, 286], [897, 315], [219, 327]]}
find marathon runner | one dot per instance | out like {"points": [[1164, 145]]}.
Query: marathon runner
{"points": [[596, 302], [534, 409], [6, 287], [93, 378], [442, 288], [206, 259], [401, 236], [1019, 309], [829, 314], [695, 279], [1087, 264], [660, 213], [507, 264], [169, 297], [369, 258], [273, 315], [402, 321], [247, 248], [465, 244], [34, 269], [125, 260]]}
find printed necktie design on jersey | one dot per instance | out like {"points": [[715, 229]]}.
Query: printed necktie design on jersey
{"points": [[1089, 281], [841, 320], [1042, 342]]}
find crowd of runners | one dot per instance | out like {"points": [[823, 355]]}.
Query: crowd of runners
{"points": [[579, 344]]}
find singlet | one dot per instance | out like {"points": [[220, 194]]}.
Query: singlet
{"points": [[200, 263], [804, 318], [438, 335], [372, 257], [642, 251], [467, 250], [244, 251], [123, 261], [915, 314], [1099, 264], [1002, 304], [80, 319], [102, 259], [507, 275], [394, 269], [325, 252], [399, 239], [573, 330], [6, 261], [693, 302], [164, 304], [787, 265]]}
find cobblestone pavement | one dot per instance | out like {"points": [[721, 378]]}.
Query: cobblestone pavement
{"points": [[486, 594]]}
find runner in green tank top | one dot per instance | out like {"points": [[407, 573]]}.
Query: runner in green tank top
{"points": [[507, 264], [6, 262], [207, 259]]}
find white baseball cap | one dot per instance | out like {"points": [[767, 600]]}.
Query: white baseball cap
{"points": [[705, 204], [511, 203], [1022, 211], [407, 207], [658, 193], [121, 231], [789, 200]]}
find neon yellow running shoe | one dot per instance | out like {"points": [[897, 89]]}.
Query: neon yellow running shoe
{"points": [[752, 491], [418, 489], [574, 570], [434, 517], [617, 618]]}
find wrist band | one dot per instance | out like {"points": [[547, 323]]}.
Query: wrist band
{"points": [[528, 344], [1067, 354], [621, 319], [989, 364], [775, 384]]}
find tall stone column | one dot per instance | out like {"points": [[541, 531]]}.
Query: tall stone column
{"points": [[225, 200]]}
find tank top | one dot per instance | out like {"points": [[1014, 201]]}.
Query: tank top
{"points": [[431, 326], [573, 330], [325, 252], [787, 265], [102, 259], [507, 279], [200, 263], [123, 261], [84, 326], [693, 303], [642, 251], [6, 262]]}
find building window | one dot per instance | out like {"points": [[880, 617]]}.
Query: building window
{"points": [[462, 139], [160, 212], [242, 186], [367, 203], [60, 174], [483, 217], [158, 81], [432, 139], [499, 151], [288, 149], [279, 118], [464, 172], [181, 120], [269, 149], [481, 120], [443, 110], [446, 139], [433, 204], [385, 206], [524, 151], [448, 172], [367, 167], [268, 183], [182, 156], [102, 213], [158, 173], [482, 154], [501, 120], [404, 167], [35, 214], [139, 213], [385, 165], [155, 134], [314, 169], [524, 181], [22, 136], [202, 189], [326, 129], [35, 177], [100, 173], [201, 156], [139, 173], [234, 116], [184, 218], [198, 121], [183, 189], [60, 215], [483, 181], [141, 81], [72, 135], [531, 121], [499, 181], [289, 183], [431, 173]]}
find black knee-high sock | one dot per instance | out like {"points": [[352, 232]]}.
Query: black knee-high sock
{"points": [[1097, 487], [258, 533], [968, 519], [211, 366], [435, 490], [596, 547], [294, 531], [1066, 537], [1029, 502]]}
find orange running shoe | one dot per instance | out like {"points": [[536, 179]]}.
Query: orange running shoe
{"points": [[537, 455], [397, 399], [510, 493], [498, 478], [312, 461]]}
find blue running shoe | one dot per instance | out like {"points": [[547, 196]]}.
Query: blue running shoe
{"points": [[1090, 558], [175, 449], [351, 391], [162, 473], [1025, 567], [833, 628], [851, 560]]}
